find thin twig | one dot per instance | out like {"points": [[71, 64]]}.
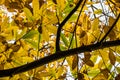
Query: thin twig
{"points": [[110, 29]]}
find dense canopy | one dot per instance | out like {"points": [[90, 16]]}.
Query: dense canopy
{"points": [[59, 39]]}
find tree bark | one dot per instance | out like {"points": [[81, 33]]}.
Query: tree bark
{"points": [[56, 56]]}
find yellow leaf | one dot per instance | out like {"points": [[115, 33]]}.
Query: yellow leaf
{"points": [[100, 64], [43, 74], [99, 77], [117, 1], [85, 22], [2, 1], [41, 68], [61, 4], [111, 21], [104, 54], [60, 71], [2, 58], [95, 24], [23, 45], [26, 59], [4, 78], [28, 14], [52, 29], [91, 38], [45, 33], [8, 66], [69, 60], [35, 4], [118, 25], [15, 77], [23, 76]]}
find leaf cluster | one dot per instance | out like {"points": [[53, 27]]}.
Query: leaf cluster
{"points": [[60, 29]]}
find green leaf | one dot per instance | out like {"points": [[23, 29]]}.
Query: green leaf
{"points": [[98, 11], [73, 17], [93, 72], [73, 41], [118, 69], [32, 43], [30, 34], [64, 39]]}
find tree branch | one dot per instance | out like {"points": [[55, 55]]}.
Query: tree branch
{"points": [[63, 23], [56, 56], [110, 29]]}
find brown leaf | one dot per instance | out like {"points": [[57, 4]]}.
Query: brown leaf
{"points": [[1, 66], [30, 72], [87, 55], [80, 76], [83, 33], [41, 2], [105, 72], [112, 34], [2, 38], [62, 76], [54, 1], [117, 77], [40, 29], [15, 48], [74, 62], [89, 63], [112, 57]]}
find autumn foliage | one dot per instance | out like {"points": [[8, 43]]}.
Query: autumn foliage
{"points": [[59, 39]]}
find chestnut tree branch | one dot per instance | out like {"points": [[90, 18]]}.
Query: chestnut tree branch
{"points": [[56, 56]]}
